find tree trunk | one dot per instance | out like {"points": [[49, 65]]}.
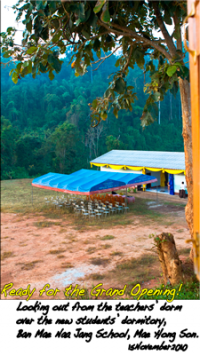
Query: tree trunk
{"points": [[187, 137], [168, 256]]}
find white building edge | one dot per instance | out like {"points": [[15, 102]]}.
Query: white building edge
{"points": [[165, 166]]}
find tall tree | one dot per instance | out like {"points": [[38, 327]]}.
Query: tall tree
{"points": [[130, 27]]}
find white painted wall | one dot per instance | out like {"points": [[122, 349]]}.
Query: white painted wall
{"points": [[178, 180], [121, 170]]}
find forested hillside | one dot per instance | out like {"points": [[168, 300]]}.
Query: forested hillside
{"points": [[46, 124]]}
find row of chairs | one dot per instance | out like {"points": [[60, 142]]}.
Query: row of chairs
{"points": [[59, 202], [98, 209], [91, 208]]}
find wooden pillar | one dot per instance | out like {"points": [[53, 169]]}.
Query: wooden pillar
{"points": [[194, 50]]}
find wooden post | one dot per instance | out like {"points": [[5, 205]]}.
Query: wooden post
{"points": [[194, 50]]}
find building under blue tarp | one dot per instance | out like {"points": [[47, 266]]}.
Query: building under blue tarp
{"points": [[89, 182]]}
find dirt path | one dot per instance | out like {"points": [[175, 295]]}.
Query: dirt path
{"points": [[37, 251]]}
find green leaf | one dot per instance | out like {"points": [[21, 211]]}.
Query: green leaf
{"points": [[96, 45], [26, 20], [93, 20], [171, 70], [174, 88], [7, 54], [31, 50], [29, 67], [99, 53], [19, 66], [156, 96], [86, 34], [117, 62], [167, 18], [55, 23], [9, 30], [45, 33], [104, 115], [176, 34], [78, 22], [12, 70], [115, 112], [94, 103], [42, 68], [105, 16], [178, 64], [120, 86], [139, 57], [55, 62], [99, 6], [26, 64], [146, 119], [29, 26], [52, 4], [81, 9], [185, 72], [15, 78], [51, 75], [39, 5], [56, 37]]}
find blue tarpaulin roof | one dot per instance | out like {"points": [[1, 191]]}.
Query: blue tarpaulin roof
{"points": [[87, 182]]}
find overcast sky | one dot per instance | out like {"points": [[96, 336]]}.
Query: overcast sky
{"points": [[8, 18]]}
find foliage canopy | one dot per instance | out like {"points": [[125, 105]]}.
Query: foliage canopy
{"points": [[129, 27]]}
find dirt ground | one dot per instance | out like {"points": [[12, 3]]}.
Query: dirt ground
{"points": [[38, 250]]}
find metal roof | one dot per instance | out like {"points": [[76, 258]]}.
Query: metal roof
{"points": [[165, 160]]}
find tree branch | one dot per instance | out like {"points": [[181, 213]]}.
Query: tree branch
{"points": [[129, 58], [132, 34], [167, 37], [104, 58], [179, 40], [91, 39]]}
